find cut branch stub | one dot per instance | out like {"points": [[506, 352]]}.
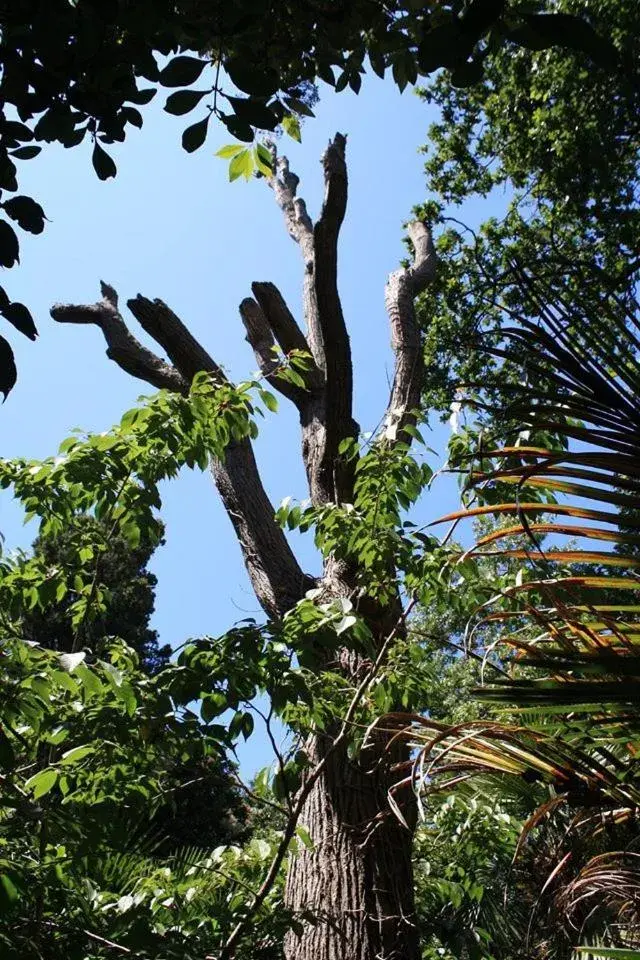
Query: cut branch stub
{"points": [[122, 346], [182, 348], [260, 336], [403, 286]]}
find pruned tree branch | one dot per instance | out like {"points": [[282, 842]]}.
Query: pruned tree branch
{"points": [[274, 572], [331, 419], [122, 346], [339, 423], [281, 320], [169, 332], [403, 286], [260, 336]]}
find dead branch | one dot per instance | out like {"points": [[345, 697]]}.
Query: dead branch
{"points": [[403, 286], [122, 346]]}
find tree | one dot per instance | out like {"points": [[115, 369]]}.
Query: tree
{"points": [[356, 880], [77, 71], [552, 141], [131, 594], [206, 809]]}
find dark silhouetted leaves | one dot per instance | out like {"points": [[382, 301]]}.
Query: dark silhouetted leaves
{"points": [[26, 153], [9, 247], [17, 131], [7, 173], [8, 372], [251, 78], [182, 71], [239, 128], [467, 74], [183, 101], [254, 113], [141, 97], [18, 315], [445, 46], [195, 135], [26, 212], [563, 29], [480, 15], [103, 164]]}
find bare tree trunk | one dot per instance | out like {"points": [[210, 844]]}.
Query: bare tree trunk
{"points": [[356, 881]]}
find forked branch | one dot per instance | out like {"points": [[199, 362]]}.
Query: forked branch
{"points": [[275, 575]]}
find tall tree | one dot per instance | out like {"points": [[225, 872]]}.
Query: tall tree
{"points": [[357, 880], [131, 595]]}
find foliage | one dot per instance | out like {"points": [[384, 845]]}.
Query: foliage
{"points": [[129, 590], [552, 143], [582, 711]]}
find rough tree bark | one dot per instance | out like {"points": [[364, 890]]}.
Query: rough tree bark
{"points": [[357, 879]]}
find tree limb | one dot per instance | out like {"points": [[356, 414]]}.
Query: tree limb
{"points": [[274, 572], [402, 287], [182, 348], [260, 336], [330, 420], [339, 423], [123, 347]]}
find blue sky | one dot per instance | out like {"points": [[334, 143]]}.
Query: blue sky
{"points": [[171, 226]]}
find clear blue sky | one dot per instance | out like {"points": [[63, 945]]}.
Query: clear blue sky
{"points": [[171, 226]]}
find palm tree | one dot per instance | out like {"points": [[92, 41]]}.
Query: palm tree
{"points": [[571, 624]]}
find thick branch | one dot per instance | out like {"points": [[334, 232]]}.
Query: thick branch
{"points": [[331, 419], [300, 227], [182, 348], [260, 337], [339, 422], [281, 320], [273, 570], [403, 286], [122, 346]]}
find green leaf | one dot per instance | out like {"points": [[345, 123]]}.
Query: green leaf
{"points": [[229, 150], [269, 400], [195, 135], [76, 754], [182, 71], [103, 164], [291, 126], [241, 165], [8, 891], [305, 836], [42, 782], [183, 101]]}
